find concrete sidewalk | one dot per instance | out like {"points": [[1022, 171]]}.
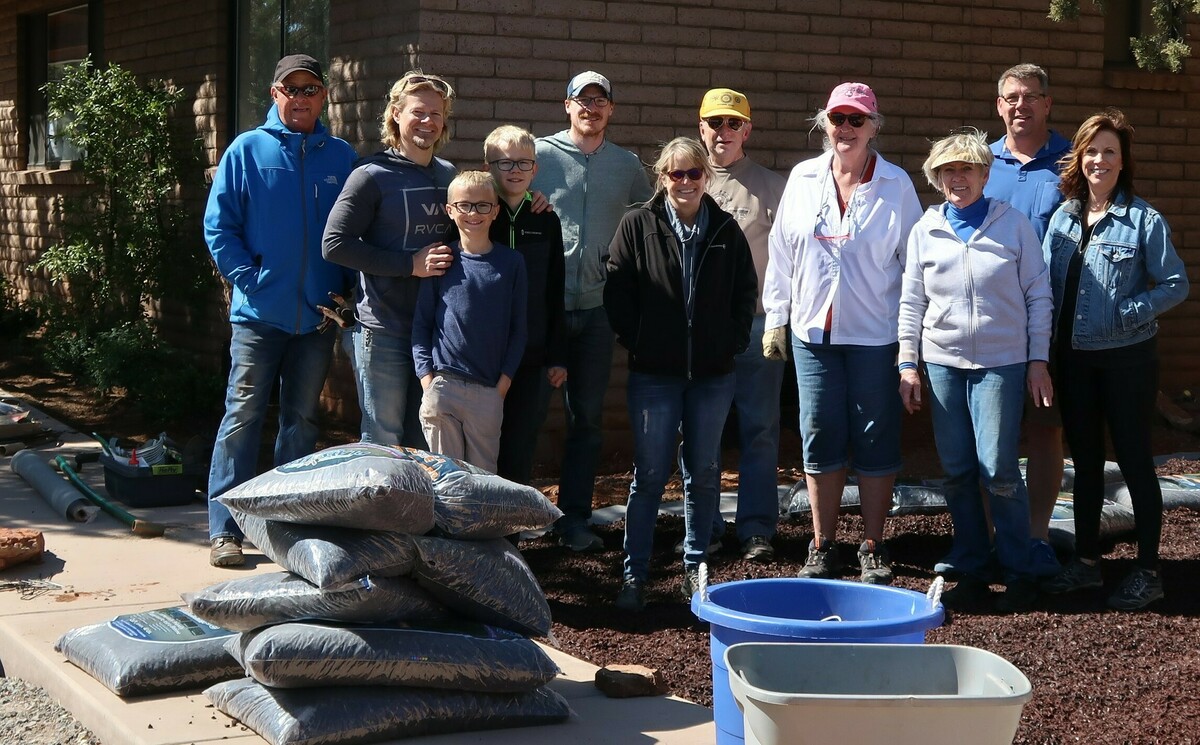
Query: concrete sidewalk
{"points": [[103, 571]]}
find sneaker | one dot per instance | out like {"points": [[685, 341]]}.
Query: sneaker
{"points": [[714, 547], [1019, 596], [822, 561], [632, 597], [226, 551], [1043, 562], [875, 563], [758, 548], [581, 540], [968, 592], [1140, 588], [690, 584], [1074, 576]]}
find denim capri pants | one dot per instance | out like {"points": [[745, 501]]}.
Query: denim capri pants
{"points": [[849, 407]]}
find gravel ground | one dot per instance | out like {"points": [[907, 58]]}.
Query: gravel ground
{"points": [[29, 716]]}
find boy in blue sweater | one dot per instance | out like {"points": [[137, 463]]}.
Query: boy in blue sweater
{"points": [[469, 330]]}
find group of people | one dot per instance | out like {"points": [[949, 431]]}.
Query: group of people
{"points": [[477, 293]]}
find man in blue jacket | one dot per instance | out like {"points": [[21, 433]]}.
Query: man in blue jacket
{"points": [[270, 198]]}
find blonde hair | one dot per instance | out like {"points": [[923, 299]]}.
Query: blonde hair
{"points": [[468, 179], [413, 81], [967, 146], [683, 148], [508, 135]]}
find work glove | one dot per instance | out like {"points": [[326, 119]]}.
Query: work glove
{"points": [[341, 314], [775, 343]]}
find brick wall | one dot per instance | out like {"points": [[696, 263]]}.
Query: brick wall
{"points": [[932, 64]]}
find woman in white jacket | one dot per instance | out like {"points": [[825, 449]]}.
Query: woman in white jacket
{"points": [[975, 307]]}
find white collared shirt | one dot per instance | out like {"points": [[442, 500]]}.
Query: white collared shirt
{"points": [[853, 263]]}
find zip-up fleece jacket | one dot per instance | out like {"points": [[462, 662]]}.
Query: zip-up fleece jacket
{"points": [[590, 193], [390, 209], [270, 197], [644, 294], [981, 303]]}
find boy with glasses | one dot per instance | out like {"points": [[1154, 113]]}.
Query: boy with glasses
{"points": [[511, 155], [469, 330]]}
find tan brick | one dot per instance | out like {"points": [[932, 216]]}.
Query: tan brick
{"points": [[592, 9], [648, 15], [541, 28], [715, 18], [678, 36], [788, 23], [580, 53], [499, 46], [759, 41], [900, 30], [710, 58], [945, 13], [641, 54], [505, 7], [458, 23]]}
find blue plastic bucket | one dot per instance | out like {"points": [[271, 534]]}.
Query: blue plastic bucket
{"points": [[792, 610]]}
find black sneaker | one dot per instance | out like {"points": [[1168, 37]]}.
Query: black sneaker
{"points": [[875, 563], [714, 547], [632, 596], [690, 584], [1140, 588], [758, 548], [822, 562], [1019, 596], [967, 593], [1076, 575], [581, 540]]}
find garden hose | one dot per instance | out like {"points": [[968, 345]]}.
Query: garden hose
{"points": [[143, 528]]}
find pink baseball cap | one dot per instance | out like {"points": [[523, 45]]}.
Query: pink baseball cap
{"points": [[857, 96]]}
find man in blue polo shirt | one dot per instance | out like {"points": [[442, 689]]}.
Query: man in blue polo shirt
{"points": [[1025, 174]]}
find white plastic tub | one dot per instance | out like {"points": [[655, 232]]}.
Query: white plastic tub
{"points": [[793, 694]]}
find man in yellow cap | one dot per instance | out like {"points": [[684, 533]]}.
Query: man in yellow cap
{"points": [[751, 193]]}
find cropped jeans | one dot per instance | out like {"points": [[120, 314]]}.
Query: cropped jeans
{"points": [[261, 355], [660, 406]]}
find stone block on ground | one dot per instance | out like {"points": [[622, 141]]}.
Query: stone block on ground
{"points": [[19, 545], [628, 681]]}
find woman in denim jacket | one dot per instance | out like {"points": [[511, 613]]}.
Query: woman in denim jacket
{"points": [[1113, 270]]}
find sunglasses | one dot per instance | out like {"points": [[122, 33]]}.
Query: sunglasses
{"points": [[837, 119], [441, 85], [694, 174], [716, 122], [483, 208], [504, 164], [291, 91]]}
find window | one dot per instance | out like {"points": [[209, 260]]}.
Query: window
{"points": [[53, 41], [1123, 20], [266, 31]]}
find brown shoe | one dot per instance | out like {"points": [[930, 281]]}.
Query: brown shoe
{"points": [[226, 551]]}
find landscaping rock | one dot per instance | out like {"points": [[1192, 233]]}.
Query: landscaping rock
{"points": [[629, 681], [19, 545]]}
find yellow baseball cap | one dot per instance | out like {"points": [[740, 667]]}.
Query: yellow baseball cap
{"points": [[724, 102]]}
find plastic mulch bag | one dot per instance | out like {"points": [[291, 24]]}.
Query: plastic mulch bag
{"points": [[467, 657], [487, 581], [1116, 520], [260, 600], [329, 557], [362, 714], [350, 486], [151, 652]]}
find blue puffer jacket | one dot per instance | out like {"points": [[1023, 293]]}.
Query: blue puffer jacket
{"points": [[266, 212], [1131, 273]]}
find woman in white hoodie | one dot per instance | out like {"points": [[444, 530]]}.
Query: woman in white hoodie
{"points": [[975, 306]]}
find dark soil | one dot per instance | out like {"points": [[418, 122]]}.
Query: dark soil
{"points": [[1098, 676]]}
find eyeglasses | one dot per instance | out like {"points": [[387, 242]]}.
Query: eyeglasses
{"points": [[837, 119], [483, 208], [588, 102], [716, 122], [504, 164], [1015, 98], [291, 91], [694, 174]]}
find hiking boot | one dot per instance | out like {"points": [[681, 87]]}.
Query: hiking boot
{"points": [[714, 547], [1140, 588], [581, 540], [690, 584], [226, 551], [632, 597], [822, 562], [875, 563], [1019, 596], [967, 593], [1043, 562], [758, 548], [1074, 576]]}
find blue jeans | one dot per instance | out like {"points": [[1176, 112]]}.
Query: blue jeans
{"points": [[589, 361], [659, 407], [976, 423], [389, 394], [756, 401], [261, 355]]}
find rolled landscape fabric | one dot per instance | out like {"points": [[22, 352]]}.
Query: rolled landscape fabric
{"points": [[52, 487]]}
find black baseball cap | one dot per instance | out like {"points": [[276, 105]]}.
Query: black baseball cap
{"points": [[294, 62]]}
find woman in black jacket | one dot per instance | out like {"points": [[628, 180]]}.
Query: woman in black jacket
{"points": [[680, 296]]}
